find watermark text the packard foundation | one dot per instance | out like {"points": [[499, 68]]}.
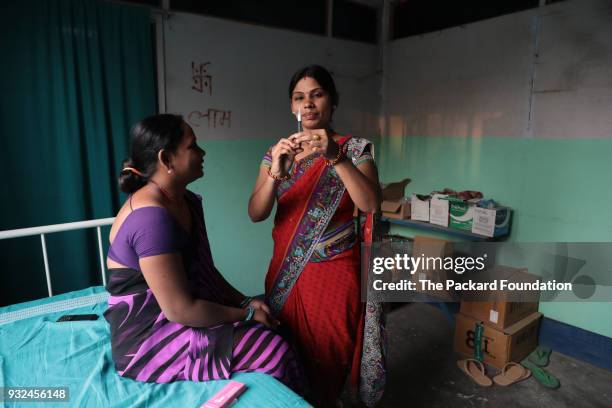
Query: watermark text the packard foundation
{"points": [[442, 270]]}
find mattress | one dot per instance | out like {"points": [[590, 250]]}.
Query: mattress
{"points": [[37, 351]]}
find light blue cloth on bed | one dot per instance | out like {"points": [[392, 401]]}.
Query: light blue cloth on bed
{"points": [[40, 352]]}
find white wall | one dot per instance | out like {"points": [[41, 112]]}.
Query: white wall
{"points": [[251, 67], [573, 76], [541, 73]]}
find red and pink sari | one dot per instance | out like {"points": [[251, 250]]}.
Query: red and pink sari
{"points": [[313, 281]]}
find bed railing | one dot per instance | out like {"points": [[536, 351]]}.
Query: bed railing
{"points": [[69, 226]]}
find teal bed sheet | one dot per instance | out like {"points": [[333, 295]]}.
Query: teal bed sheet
{"points": [[36, 351]]}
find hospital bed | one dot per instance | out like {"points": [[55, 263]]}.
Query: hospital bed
{"points": [[75, 356]]}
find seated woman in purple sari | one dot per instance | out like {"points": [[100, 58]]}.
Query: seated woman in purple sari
{"points": [[172, 315]]}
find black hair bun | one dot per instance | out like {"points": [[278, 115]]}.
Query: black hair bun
{"points": [[129, 180]]}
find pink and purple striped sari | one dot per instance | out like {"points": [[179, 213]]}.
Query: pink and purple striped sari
{"points": [[146, 346]]}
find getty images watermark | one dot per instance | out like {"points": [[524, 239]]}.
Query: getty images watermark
{"points": [[521, 272]]}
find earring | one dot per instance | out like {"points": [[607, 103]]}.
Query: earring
{"points": [[169, 171]]}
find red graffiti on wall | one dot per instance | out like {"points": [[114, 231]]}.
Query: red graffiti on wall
{"points": [[213, 118], [201, 79]]}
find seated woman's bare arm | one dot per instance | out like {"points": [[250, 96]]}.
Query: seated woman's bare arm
{"points": [[167, 279]]}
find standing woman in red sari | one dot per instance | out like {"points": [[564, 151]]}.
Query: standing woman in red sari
{"points": [[317, 177]]}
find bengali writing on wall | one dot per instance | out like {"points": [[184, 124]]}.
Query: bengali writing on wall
{"points": [[206, 117]]}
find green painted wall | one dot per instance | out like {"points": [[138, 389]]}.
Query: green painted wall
{"points": [[557, 188], [241, 249]]}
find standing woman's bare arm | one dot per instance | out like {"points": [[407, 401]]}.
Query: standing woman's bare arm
{"points": [[263, 196], [264, 192], [362, 184]]}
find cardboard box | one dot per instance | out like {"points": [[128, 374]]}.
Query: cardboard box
{"points": [[439, 210], [491, 222], [393, 204], [504, 308], [461, 213], [399, 209], [499, 315], [394, 191], [433, 248], [499, 347], [419, 207]]}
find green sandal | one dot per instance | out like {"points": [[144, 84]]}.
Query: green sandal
{"points": [[541, 375], [540, 356]]}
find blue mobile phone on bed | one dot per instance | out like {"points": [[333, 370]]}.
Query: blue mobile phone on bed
{"points": [[77, 317]]}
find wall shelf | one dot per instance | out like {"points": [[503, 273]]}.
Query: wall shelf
{"points": [[425, 226]]}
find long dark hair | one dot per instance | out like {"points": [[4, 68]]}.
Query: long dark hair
{"points": [[148, 137], [319, 74]]}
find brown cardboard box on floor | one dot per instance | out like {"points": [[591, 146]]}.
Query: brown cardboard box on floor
{"points": [[498, 346], [505, 308], [426, 247]]}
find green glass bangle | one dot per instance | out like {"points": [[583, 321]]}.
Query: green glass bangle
{"points": [[247, 300], [250, 313]]}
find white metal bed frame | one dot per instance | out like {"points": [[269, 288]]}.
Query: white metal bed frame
{"points": [[69, 226]]}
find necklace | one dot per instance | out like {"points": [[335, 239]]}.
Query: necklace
{"points": [[164, 192]]}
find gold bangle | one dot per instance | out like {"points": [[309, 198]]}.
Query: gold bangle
{"points": [[283, 178], [338, 157]]}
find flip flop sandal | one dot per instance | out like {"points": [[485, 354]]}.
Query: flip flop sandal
{"points": [[544, 377], [511, 373], [476, 371], [478, 331], [540, 356]]}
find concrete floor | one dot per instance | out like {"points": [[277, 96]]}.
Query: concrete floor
{"points": [[423, 372]]}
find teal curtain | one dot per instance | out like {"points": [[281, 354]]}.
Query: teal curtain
{"points": [[75, 75]]}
